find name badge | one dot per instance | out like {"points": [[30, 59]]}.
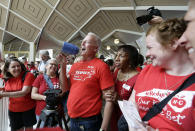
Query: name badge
{"points": [[127, 87]]}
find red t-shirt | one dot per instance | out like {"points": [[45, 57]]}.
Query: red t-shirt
{"points": [[189, 123], [33, 68], [24, 103], [150, 88], [88, 79], [42, 86], [124, 90]]}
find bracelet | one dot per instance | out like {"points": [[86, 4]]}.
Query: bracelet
{"points": [[101, 129]]}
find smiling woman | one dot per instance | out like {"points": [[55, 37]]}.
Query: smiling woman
{"points": [[44, 82], [171, 67], [17, 88]]}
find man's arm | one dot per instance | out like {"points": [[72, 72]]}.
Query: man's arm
{"points": [[107, 109], [64, 81]]}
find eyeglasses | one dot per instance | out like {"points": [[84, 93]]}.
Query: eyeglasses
{"points": [[52, 64]]}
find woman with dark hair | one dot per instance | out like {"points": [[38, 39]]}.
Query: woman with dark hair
{"points": [[18, 84], [126, 62]]}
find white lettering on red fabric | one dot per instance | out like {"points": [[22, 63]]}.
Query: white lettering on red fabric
{"points": [[143, 108], [140, 101], [176, 108], [83, 74], [177, 118]]}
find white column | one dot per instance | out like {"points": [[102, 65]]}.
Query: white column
{"points": [[1, 50], [142, 44], [32, 51], [4, 125]]}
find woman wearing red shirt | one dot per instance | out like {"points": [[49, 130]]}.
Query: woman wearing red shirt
{"points": [[126, 62], [40, 86], [170, 67], [21, 106]]}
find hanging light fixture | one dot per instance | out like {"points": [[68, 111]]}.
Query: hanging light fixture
{"points": [[116, 41], [108, 47]]}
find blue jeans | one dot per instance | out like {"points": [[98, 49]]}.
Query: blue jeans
{"points": [[86, 124], [42, 123]]}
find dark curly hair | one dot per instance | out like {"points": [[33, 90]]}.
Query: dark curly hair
{"points": [[6, 73], [135, 59]]}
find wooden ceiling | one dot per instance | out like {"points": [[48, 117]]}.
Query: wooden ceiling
{"points": [[70, 20]]}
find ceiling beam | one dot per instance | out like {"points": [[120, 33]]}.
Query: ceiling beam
{"points": [[16, 36], [133, 3], [130, 32], [66, 19], [117, 8], [108, 35], [6, 20], [177, 8]]}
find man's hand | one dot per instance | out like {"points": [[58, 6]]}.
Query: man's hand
{"points": [[155, 20], [110, 95], [61, 59], [108, 108]]}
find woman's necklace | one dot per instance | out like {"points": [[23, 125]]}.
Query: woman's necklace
{"points": [[125, 76], [168, 88]]}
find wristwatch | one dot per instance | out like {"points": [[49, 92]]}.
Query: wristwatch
{"points": [[101, 129]]}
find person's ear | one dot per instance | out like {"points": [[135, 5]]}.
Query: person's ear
{"points": [[96, 49]]}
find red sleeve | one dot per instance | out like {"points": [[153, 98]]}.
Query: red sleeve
{"points": [[29, 79], [190, 120], [106, 78], [139, 79]]}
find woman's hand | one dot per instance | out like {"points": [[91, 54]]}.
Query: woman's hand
{"points": [[44, 98]]}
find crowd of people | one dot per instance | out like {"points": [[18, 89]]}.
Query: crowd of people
{"points": [[93, 83]]}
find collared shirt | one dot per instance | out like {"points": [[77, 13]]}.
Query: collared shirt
{"points": [[42, 65]]}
